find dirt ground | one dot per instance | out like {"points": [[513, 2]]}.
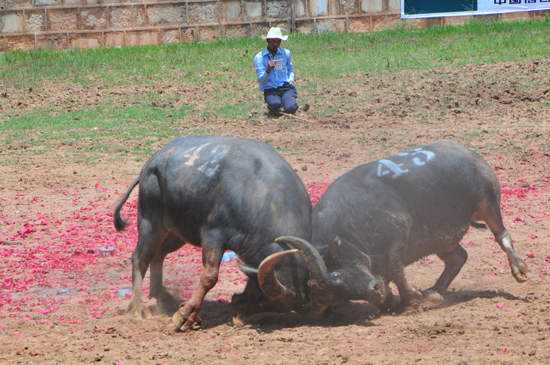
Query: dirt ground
{"points": [[62, 303]]}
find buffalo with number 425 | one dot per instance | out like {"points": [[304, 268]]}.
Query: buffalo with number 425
{"points": [[378, 218]]}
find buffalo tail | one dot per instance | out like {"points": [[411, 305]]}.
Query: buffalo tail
{"points": [[120, 224]]}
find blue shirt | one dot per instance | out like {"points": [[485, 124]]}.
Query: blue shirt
{"points": [[275, 78]]}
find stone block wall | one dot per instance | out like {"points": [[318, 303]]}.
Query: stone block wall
{"points": [[60, 24]]}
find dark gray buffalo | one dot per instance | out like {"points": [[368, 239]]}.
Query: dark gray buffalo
{"points": [[382, 216], [219, 194], [222, 194]]}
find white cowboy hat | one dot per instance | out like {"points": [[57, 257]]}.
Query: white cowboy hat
{"points": [[275, 33]]}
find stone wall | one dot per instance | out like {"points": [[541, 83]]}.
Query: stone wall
{"points": [[60, 24]]}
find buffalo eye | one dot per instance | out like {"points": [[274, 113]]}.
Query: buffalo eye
{"points": [[336, 278]]}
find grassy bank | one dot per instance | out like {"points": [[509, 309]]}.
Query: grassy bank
{"points": [[325, 55], [136, 93]]}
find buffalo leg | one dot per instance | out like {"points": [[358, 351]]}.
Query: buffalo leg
{"points": [[519, 268], [212, 253], [165, 301], [490, 213], [406, 292], [149, 240], [454, 261]]}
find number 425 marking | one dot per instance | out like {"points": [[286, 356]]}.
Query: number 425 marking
{"points": [[419, 158]]}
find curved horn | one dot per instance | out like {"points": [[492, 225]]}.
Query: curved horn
{"points": [[247, 270], [269, 284], [314, 262]]}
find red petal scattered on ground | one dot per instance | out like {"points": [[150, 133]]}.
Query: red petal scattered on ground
{"points": [[58, 259]]}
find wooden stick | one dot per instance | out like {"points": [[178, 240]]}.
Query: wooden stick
{"points": [[11, 243], [293, 116]]}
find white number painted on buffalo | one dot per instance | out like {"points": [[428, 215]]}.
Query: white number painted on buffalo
{"points": [[419, 157], [212, 164]]}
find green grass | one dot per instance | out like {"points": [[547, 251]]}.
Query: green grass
{"points": [[224, 69], [136, 121], [326, 55]]}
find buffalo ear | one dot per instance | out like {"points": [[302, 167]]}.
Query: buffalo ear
{"points": [[333, 254]]}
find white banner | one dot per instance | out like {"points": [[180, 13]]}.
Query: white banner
{"points": [[411, 9]]}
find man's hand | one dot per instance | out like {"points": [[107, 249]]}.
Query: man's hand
{"points": [[270, 66], [291, 82]]}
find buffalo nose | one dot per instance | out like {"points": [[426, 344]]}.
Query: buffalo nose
{"points": [[377, 293]]}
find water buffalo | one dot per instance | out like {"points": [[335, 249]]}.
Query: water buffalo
{"points": [[382, 216], [220, 194]]}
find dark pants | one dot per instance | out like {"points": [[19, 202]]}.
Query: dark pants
{"points": [[283, 96]]}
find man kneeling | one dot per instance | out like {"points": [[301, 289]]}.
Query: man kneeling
{"points": [[276, 74]]}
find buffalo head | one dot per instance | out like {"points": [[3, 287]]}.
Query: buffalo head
{"points": [[337, 273]]}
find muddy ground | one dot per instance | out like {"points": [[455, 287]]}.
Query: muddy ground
{"points": [[61, 303]]}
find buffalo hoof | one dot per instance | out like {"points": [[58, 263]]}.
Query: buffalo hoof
{"points": [[139, 311], [238, 321], [179, 321], [520, 270], [182, 322], [432, 296]]}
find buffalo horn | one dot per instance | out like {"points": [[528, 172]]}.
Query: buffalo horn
{"points": [[247, 270], [269, 283], [314, 262]]}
